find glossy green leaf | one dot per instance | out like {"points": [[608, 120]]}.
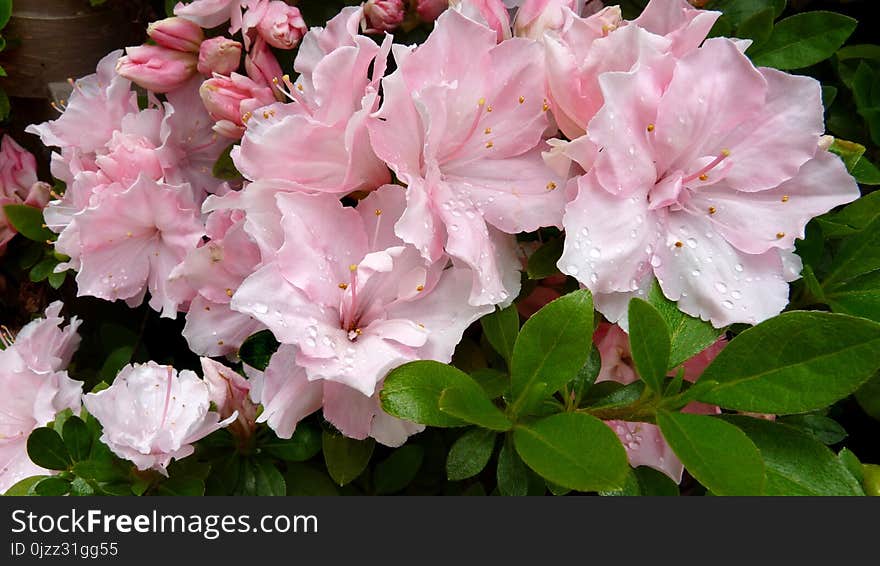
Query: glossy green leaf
{"points": [[182, 487], [304, 444], [866, 92], [793, 363], [304, 480], [738, 11], [5, 12], [718, 454], [542, 263], [868, 397], [653, 483], [77, 438], [854, 218], [29, 222], [346, 457], [412, 392], [475, 409], [52, 486], [649, 342], [46, 449], [803, 40], [818, 427], [81, 488], [795, 463], [573, 450], [398, 470], [587, 376], [495, 383], [470, 454], [688, 335], [24, 487], [257, 350], [757, 27], [551, 348], [224, 168], [858, 297], [501, 328], [512, 474]]}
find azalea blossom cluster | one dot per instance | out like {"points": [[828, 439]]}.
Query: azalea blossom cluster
{"points": [[378, 214]]}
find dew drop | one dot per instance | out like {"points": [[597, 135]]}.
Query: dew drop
{"points": [[692, 243], [736, 294], [595, 253], [572, 270], [738, 267], [720, 287], [594, 278], [727, 304]]}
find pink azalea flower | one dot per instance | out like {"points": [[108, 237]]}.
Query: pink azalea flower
{"points": [[712, 169], [685, 26], [263, 67], [176, 33], [151, 414], [288, 396], [492, 13], [128, 240], [430, 10], [462, 124], [320, 139], [94, 111], [644, 443], [232, 100], [18, 184], [35, 388], [212, 13], [351, 296], [535, 17], [383, 15], [211, 274]]}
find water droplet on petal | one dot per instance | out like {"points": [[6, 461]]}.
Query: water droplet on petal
{"points": [[727, 304], [720, 287], [595, 253], [572, 270]]}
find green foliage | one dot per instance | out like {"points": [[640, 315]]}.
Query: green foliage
{"points": [[257, 350], [688, 335], [470, 454], [345, 457], [649, 343], [803, 40], [501, 329]]}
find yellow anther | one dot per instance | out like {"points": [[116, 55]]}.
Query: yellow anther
{"points": [[780, 235], [551, 185], [420, 288], [358, 331], [353, 267], [378, 212], [725, 152], [704, 177], [129, 234], [481, 101], [489, 145], [229, 292], [247, 116], [678, 244], [546, 106], [299, 87], [784, 198], [488, 109], [487, 131], [650, 127], [712, 210], [522, 99], [343, 286]]}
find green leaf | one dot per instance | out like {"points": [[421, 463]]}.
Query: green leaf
{"points": [[868, 397], [304, 480], [29, 222], [803, 40], [512, 474], [793, 363], [757, 27], [412, 392], [649, 342], [858, 297], [871, 479], [501, 328], [849, 152], [861, 51], [470, 454], [857, 216], [738, 11], [56, 280], [573, 450], [77, 438], [718, 454], [24, 487], [5, 12], [257, 350], [587, 376], [52, 486], [866, 92], [551, 348], [224, 168], [542, 263], [5, 106], [43, 269], [866, 173], [795, 463], [474, 409], [345, 457], [46, 449], [81, 488], [688, 335], [851, 462], [653, 483], [630, 487], [829, 94], [493, 382], [398, 470], [303, 445], [268, 479], [821, 428], [182, 487]]}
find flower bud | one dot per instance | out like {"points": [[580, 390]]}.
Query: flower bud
{"points": [[430, 10], [282, 25], [18, 170], [262, 66], [535, 17], [227, 99], [219, 55], [383, 15], [176, 33], [157, 68], [492, 13], [230, 393]]}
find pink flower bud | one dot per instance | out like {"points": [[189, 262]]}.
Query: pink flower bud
{"points": [[177, 34], [262, 66], [157, 68], [383, 15], [537, 16], [219, 55], [282, 26], [230, 392], [18, 170], [228, 99], [430, 10], [493, 13]]}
